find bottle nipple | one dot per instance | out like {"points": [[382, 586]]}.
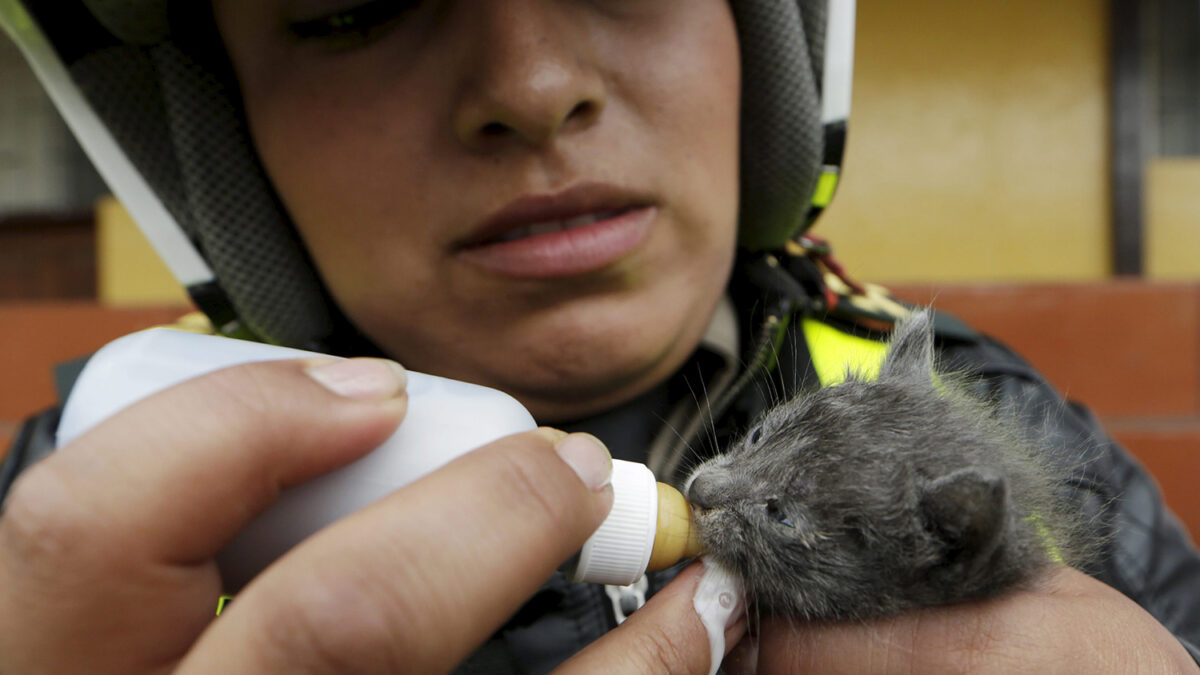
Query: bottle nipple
{"points": [[649, 528], [675, 537]]}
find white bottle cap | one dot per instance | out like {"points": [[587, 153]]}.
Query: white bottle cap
{"points": [[619, 551]]}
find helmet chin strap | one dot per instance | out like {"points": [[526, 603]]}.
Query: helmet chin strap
{"points": [[160, 228], [156, 223], [261, 287]]}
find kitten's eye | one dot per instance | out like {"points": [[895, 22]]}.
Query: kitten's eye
{"points": [[358, 22], [775, 513], [755, 435]]}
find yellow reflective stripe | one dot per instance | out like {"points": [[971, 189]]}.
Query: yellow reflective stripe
{"points": [[834, 353], [224, 600], [826, 186], [1043, 533]]}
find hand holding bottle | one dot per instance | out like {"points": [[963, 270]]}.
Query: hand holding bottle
{"points": [[107, 547]]}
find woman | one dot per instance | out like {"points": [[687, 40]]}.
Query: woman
{"points": [[536, 195]]}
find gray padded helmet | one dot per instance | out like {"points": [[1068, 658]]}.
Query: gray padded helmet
{"points": [[157, 110]]}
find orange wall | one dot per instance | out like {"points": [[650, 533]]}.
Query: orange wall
{"points": [[39, 335]]}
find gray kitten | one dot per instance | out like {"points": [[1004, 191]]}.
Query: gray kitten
{"points": [[866, 498]]}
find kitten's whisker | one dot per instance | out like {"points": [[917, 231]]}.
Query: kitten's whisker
{"points": [[710, 425], [665, 423]]}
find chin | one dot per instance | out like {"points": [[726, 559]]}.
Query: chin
{"points": [[566, 352], [575, 375]]}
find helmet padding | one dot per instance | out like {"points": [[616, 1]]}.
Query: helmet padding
{"points": [[782, 138]]}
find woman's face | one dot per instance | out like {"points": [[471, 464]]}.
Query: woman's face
{"points": [[536, 195]]}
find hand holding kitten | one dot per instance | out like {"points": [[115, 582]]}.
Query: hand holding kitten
{"points": [[1069, 623]]}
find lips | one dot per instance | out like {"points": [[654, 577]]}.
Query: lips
{"points": [[546, 227], [576, 231]]}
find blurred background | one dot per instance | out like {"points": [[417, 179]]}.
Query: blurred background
{"points": [[1031, 166]]}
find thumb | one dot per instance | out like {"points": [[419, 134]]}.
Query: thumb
{"points": [[416, 581], [665, 636]]}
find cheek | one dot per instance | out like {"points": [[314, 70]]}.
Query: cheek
{"points": [[333, 163], [357, 199], [721, 532], [697, 105], [693, 98]]}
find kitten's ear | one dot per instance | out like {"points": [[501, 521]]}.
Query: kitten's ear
{"points": [[910, 353], [967, 509]]}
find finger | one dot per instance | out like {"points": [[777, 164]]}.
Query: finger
{"points": [[742, 659], [175, 476], [957, 638], [664, 636], [417, 581], [99, 539]]}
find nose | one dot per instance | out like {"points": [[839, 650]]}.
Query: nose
{"points": [[529, 79], [703, 490]]}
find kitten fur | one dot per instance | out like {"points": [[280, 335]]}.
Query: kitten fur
{"points": [[869, 497]]}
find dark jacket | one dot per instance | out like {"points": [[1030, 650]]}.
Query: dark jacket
{"points": [[1146, 555]]}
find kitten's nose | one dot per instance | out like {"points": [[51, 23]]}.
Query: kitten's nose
{"points": [[703, 491]]}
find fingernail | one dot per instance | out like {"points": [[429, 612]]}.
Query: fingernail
{"points": [[551, 434], [589, 457], [363, 378], [731, 602]]}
